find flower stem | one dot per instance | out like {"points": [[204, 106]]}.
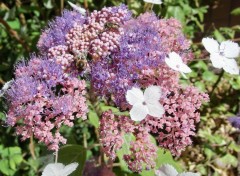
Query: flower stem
{"points": [[56, 156]]}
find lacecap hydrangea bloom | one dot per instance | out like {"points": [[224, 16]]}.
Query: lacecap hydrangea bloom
{"points": [[117, 52]]}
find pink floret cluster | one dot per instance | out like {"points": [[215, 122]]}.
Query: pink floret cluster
{"points": [[43, 98], [174, 130], [113, 133]]}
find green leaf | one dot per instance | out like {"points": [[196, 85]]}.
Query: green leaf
{"points": [[14, 150], [14, 24], [209, 153], [73, 153], [209, 76], [200, 65], [176, 12], [235, 83], [17, 159], [200, 85], [165, 157], [93, 118], [114, 110], [234, 146], [229, 159], [235, 11], [218, 35], [4, 168], [12, 164], [125, 150], [2, 117]]}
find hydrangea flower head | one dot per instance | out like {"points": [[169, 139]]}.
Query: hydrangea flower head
{"points": [[123, 56]]}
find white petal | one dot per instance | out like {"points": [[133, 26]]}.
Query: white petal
{"points": [[77, 8], [230, 49], [68, 169], [184, 68], [210, 45], [166, 170], [175, 62], [230, 66], [53, 169], [5, 87], [138, 112], [217, 60], [153, 1], [134, 95], [155, 110], [188, 174], [152, 94]]}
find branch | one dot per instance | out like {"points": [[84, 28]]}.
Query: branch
{"points": [[14, 34], [85, 4], [61, 5], [216, 83]]}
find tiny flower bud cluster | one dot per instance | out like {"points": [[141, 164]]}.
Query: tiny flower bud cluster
{"points": [[99, 36], [61, 55]]}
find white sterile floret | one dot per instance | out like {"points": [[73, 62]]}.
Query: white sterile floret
{"points": [[174, 61], [77, 8], [153, 1], [58, 169], [168, 170], [144, 104], [222, 56], [5, 87]]}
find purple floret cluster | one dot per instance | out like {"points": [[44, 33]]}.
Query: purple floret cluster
{"points": [[42, 98], [117, 52], [54, 35]]}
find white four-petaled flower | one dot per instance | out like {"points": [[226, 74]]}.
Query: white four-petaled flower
{"points": [[168, 170], [222, 56], [144, 104], [174, 61], [153, 1], [58, 169], [77, 8]]}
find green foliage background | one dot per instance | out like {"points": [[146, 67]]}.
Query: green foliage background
{"points": [[214, 150]]}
